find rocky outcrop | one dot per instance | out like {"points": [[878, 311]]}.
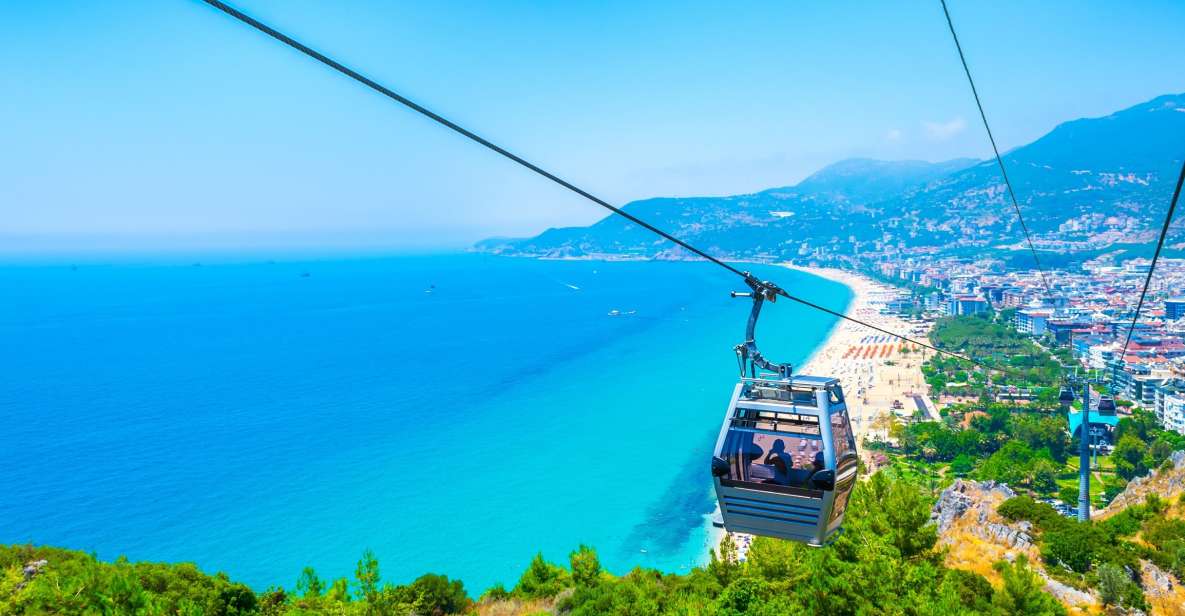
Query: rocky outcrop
{"points": [[977, 536], [1067, 594], [30, 571], [1162, 591], [1166, 483], [979, 500]]}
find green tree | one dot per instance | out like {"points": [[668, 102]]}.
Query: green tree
{"points": [[497, 592], [908, 515], [773, 559], [1117, 588], [1012, 464], [1129, 456], [1022, 593], [308, 585], [339, 591], [367, 576], [962, 464], [586, 567], [723, 562], [1074, 545], [541, 580], [435, 595], [963, 592], [1159, 452], [743, 596], [1044, 477]]}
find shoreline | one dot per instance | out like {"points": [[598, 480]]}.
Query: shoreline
{"points": [[875, 368], [878, 372]]}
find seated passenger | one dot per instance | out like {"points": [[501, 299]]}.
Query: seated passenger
{"points": [[782, 462], [816, 465]]}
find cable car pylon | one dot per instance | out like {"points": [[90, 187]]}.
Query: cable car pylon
{"points": [[1085, 436]]}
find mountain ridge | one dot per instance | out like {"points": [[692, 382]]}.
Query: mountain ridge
{"points": [[1087, 183]]}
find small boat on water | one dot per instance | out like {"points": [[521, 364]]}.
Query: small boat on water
{"points": [[619, 313]]}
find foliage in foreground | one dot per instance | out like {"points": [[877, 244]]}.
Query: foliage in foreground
{"points": [[1106, 554], [886, 562]]}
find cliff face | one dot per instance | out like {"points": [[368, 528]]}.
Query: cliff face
{"points": [[977, 536], [1165, 595], [1168, 484]]}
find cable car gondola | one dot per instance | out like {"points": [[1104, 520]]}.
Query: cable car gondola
{"points": [[785, 460], [1107, 405]]}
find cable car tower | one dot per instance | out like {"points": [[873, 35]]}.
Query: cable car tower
{"points": [[785, 460], [1085, 434]]}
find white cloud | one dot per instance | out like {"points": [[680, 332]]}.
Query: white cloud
{"points": [[893, 135], [941, 131]]}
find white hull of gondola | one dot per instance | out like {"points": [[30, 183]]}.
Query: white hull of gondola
{"points": [[773, 496]]}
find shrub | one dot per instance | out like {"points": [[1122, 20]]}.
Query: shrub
{"points": [[962, 464], [1117, 588], [541, 580], [1022, 591], [1074, 545], [1042, 515]]}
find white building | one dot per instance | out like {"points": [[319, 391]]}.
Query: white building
{"points": [[1170, 409], [1100, 356], [1032, 322]]}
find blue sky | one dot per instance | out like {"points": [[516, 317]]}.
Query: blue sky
{"points": [[164, 123]]}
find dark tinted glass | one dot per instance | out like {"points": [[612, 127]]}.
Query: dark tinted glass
{"points": [[786, 460]]}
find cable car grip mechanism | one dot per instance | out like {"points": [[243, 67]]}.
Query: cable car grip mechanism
{"points": [[747, 354]]}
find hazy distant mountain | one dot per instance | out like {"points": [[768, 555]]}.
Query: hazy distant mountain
{"points": [[865, 179], [1090, 181]]}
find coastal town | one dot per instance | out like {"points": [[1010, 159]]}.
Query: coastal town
{"points": [[1086, 311]]}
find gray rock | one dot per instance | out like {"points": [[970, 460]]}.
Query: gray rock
{"points": [[1155, 580], [1066, 594], [961, 496], [33, 568]]}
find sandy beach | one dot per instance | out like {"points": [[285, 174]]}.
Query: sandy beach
{"points": [[880, 374], [878, 371]]}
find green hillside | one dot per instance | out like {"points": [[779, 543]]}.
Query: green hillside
{"points": [[886, 562]]}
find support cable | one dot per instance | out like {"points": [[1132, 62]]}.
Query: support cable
{"points": [[1155, 257], [996, 151], [472, 136]]}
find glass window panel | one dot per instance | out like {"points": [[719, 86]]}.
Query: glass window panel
{"points": [[803, 397], [790, 423], [841, 433], [786, 460], [841, 502]]}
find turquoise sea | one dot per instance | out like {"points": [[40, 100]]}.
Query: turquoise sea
{"points": [[454, 413]]}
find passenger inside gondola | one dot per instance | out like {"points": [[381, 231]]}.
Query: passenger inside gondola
{"points": [[818, 464], [782, 463], [762, 458]]}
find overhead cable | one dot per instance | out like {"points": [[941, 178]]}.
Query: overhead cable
{"points": [[996, 151], [1164, 230], [472, 136]]}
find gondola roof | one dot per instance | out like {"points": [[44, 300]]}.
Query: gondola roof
{"points": [[813, 381]]}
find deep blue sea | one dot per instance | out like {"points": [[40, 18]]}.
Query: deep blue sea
{"points": [[454, 413]]}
